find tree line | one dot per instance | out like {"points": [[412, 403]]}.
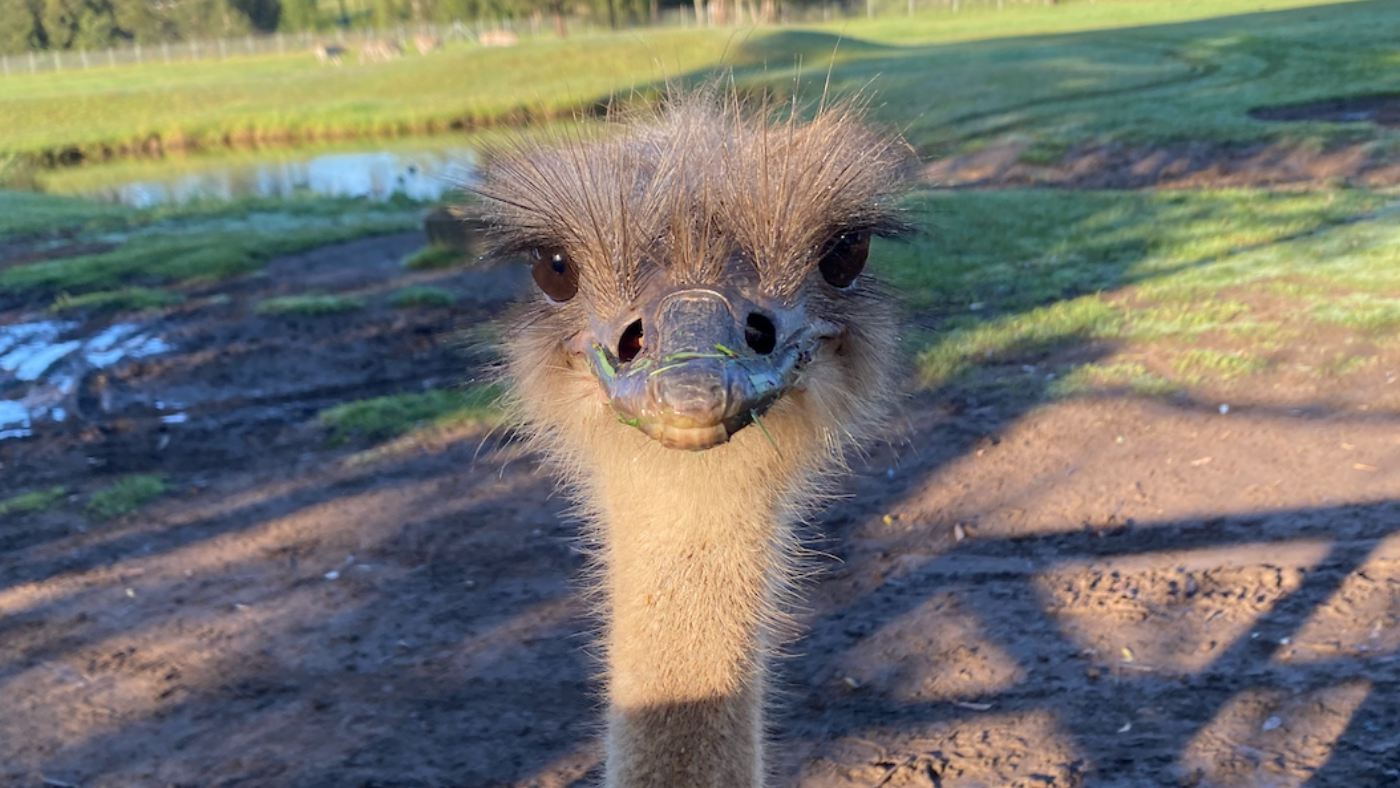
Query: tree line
{"points": [[48, 25]]}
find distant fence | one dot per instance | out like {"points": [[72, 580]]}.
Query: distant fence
{"points": [[527, 27]]}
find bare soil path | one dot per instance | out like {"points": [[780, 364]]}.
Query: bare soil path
{"points": [[1016, 592]]}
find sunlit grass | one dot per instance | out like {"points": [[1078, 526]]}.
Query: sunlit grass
{"points": [[1199, 364], [24, 213], [281, 98], [1134, 71], [1365, 311], [1130, 376], [181, 245], [1207, 283]]}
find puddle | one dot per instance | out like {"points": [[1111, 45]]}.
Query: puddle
{"points": [[40, 368], [376, 175]]}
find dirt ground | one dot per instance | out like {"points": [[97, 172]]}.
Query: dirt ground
{"points": [[1190, 165], [1014, 592]]}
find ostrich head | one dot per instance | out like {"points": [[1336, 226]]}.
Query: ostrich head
{"points": [[698, 272]]}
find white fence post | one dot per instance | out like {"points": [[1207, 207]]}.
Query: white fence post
{"points": [[112, 57], [57, 64], [138, 54], [869, 9], [165, 52]]}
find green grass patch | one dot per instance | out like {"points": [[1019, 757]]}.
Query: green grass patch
{"points": [[187, 244], [422, 298], [1043, 153], [1186, 317], [127, 299], [270, 99], [1008, 278], [1020, 338], [388, 417], [311, 305], [434, 257], [1374, 315], [35, 501], [1342, 364], [149, 258], [1199, 364], [1126, 70], [1021, 248], [1095, 378], [27, 213], [125, 496]]}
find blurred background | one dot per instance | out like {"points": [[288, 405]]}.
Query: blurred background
{"points": [[1134, 522]]}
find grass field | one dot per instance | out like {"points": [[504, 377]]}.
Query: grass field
{"points": [[1052, 74], [1170, 290], [141, 258]]}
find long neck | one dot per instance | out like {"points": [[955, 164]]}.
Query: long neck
{"points": [[695, 558]]}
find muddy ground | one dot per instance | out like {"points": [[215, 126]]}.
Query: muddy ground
{"points": [[1187, 165], [1015, 592]]}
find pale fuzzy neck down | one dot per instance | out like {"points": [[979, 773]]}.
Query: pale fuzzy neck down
{"points": [[696, 560]]}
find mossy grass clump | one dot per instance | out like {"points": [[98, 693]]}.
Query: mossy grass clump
{"points": [[127, 299], [422, 298], [387, 417], [34, 501], [434, 257], [311, 305], [125, 496]]}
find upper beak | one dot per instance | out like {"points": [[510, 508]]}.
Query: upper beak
{"points": [[698, 379]]}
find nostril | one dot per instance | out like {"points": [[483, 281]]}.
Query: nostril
{"points": [[631, 343], [760, 334]]}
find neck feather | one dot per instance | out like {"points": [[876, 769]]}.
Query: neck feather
{"points": [[696, 555]]}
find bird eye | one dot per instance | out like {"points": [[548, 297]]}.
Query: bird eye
{"points": [[844, 258], [554, 272]]}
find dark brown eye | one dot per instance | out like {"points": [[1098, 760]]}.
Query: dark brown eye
{"points": [[844, 258], [554, 272]]}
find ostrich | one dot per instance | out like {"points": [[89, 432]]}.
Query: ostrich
{"points": [[698, 350]]}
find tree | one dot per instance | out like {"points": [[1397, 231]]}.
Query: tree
{"points": [[22, 26], [298, 15], [388, 13], [262, 15]]}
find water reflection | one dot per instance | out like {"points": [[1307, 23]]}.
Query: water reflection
{"points": [[40, 370], [377, 175]]}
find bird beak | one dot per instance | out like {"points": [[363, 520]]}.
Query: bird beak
{"points": [[697, 379]]}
